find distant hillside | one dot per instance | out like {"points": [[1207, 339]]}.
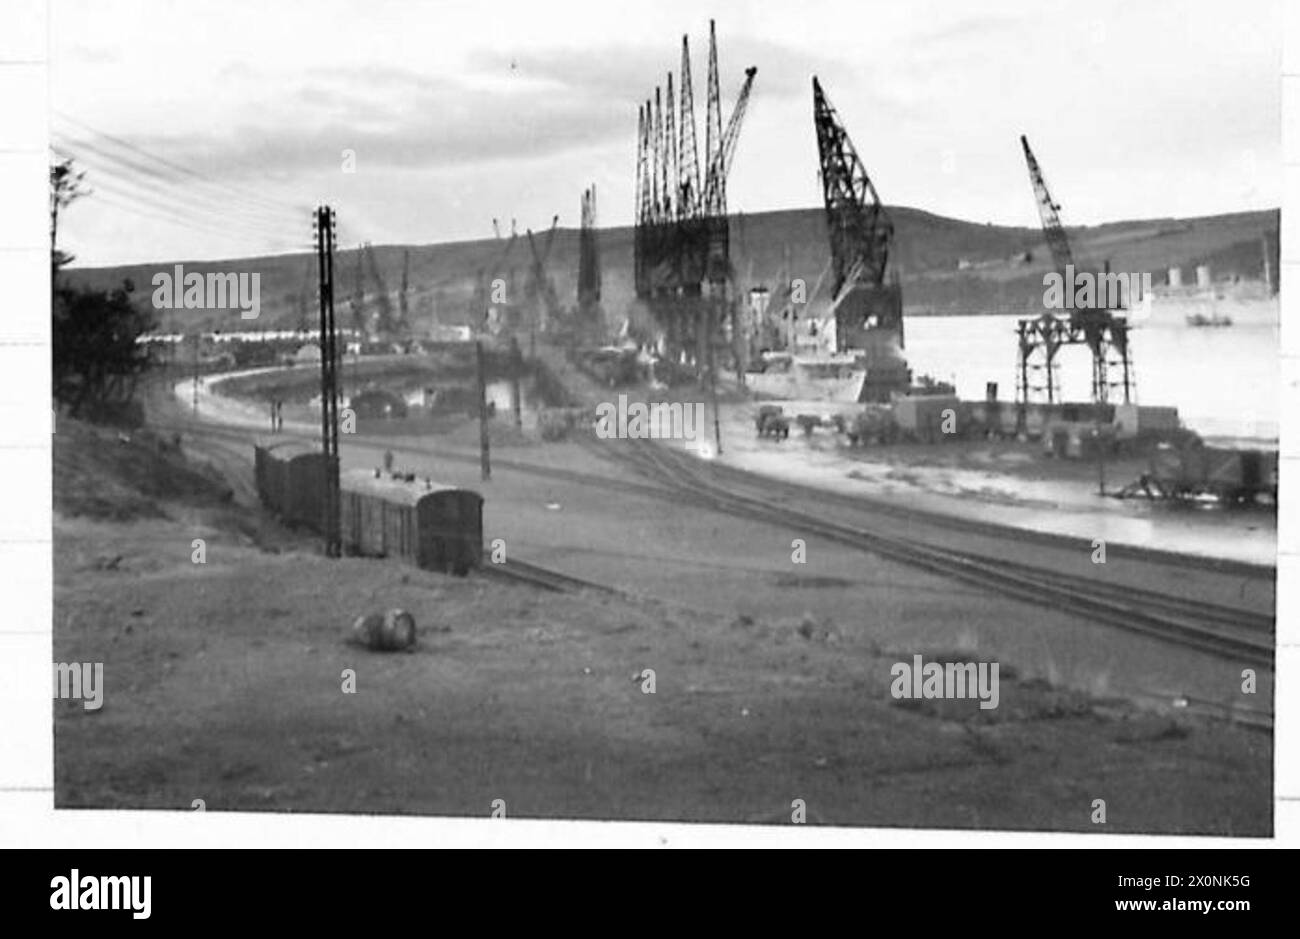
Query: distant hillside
{"points": [[947, 265]]}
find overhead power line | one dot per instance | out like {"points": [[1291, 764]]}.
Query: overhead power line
{"points": [[178, 206], [275, 245], [240, 192], [78, 148], [181, 203]]}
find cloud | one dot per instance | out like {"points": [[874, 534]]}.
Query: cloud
{"points": [[508, 108], [631, 72], [430, 137], [94, 55], [969, 30]]}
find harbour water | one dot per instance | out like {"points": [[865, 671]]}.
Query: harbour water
{"points": [[1224, 381]]}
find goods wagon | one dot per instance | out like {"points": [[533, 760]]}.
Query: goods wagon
{"points": [[1230, 475], [291, 481], [432, 526]]}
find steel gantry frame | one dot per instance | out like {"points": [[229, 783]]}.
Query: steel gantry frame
{"points": [[1040, 338]]}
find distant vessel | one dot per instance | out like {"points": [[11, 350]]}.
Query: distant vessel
{"points": [[825, 377], [1214, 319], [1239, 303]]}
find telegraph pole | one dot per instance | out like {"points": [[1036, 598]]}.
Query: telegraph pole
{"points": [[516, 366], [485, 462], [1101, 450], [197, 339], [323, 225], [713, 381]]}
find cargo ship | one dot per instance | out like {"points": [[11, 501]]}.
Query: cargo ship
{"points": [[809, 366]]}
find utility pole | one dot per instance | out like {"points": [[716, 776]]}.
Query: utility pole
{"points": [[485, 462], [516, 366], [323, 225], [713, 382], [197, 338], [1101, 454]]}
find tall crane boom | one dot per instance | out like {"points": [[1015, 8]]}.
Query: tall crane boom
{"points": [[688, 161], [716, 186], [1049, 212], [386, 324], [861, 231], [550, 239], [540, 288], [403, 304], [588, 255]]}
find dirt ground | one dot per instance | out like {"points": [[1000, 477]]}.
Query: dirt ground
{"points": [[224, 680]]}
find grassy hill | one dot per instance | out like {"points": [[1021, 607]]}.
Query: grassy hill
{"points": [[947, 265]]}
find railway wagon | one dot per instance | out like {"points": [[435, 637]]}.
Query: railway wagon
{"points": [[1230, 475], [432, 526], [290, 480]]}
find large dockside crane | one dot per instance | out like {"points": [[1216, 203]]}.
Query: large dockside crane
{"points": [[867, 301], [1049, 211], [682, 254], [1041, 337], [540, 288], [861, 231]]}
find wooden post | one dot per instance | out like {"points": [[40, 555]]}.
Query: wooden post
{"points": [[713, 382], [1101, 451], [516, 366], [198, 337], [485, 462]]}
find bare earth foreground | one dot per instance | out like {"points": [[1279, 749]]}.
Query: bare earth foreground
{"points": [[223, 680]]}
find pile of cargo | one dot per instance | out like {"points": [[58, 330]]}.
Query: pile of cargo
{"points": [[927, 418], [874, 424]]}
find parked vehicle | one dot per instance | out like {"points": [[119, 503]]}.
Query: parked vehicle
{"points": [[772, 422]]}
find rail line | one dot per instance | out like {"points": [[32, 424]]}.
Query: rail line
{"points": [[234, 436], [1218, 613], [883, 507], [1230, 632], [547, 579], [1237, 635]]}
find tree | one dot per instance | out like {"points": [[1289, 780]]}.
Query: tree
{"points": [[97, 356], [66, 187], [95, 333]]}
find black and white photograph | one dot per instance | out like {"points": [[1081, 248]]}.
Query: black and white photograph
{"points": [[837, 414]]}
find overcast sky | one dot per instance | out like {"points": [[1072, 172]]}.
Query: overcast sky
{"points": [[463, 111]]}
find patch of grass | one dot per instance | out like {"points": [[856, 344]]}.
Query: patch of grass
{"points": [[105, 473]]}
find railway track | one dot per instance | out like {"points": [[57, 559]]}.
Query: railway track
{"points": [[233, 439], [1233, 633], [1230, 633], [1220, 614], [884, 508], [547, 579]]}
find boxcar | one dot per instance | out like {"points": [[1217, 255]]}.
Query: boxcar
{"points": [[1229, 475], [291, 481], [432, 526]]}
